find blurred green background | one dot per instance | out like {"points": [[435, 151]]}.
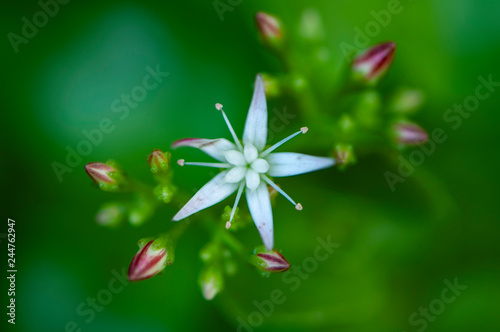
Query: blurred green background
{"points": [[396, 249]]}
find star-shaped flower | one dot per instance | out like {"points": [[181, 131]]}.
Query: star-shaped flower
{"points": [[248, 166]]}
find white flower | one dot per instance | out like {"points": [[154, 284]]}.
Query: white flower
{"points": [[248, 167]]}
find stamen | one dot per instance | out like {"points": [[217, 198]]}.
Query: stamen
{"points": [[233, 211], [302, 130], [235, 138], [181, 162], [298, 206]]}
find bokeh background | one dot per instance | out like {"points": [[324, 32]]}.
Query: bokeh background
{"points": [[396, 248]]}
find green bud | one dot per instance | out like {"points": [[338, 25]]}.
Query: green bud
{"points": [[164, 193], [209, 252], [311, 27], [230, 265], [344, 155], [111, 214], [271, 86], [298, 83], [367, 109], [141, 210], [346, 126], [211, 281], [233, 223], [406, 101]]}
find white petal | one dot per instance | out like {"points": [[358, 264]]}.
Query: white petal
{"points": [[252, 179], [235, 157], [250, 153], [259, 205], [215, 148], [288, 163], [260, 165], [211, 193], [256, 124], [236, 174]]}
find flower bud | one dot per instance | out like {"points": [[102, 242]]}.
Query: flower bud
{"points": [[211, 281], [235, 223], [99, 172], [406, 101], [111, 214], [153, 256], [269, 261], [408, 133], [370, 65], [346, 127], [366, 111], [270, 28], [159, 162], [271, 86], [107, 176], [344, 155], [310, 26], [230, 265], [209, 252], [141, 210], [164, 193]]}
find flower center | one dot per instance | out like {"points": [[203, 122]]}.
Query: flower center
{"points": [[246, 165]]}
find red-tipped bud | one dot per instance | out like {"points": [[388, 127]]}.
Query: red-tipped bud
{"points": [[108, 176], [269, 261], [151, 259], [159, 161], [408, 133], [100, 172], [370, 65], [270, 28]]}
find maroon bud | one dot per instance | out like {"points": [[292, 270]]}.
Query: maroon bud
{"points": [[159, 161], [269, 27], [374, 62], [408, 133], [269, 261], [147, 262], [99, 172]]}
